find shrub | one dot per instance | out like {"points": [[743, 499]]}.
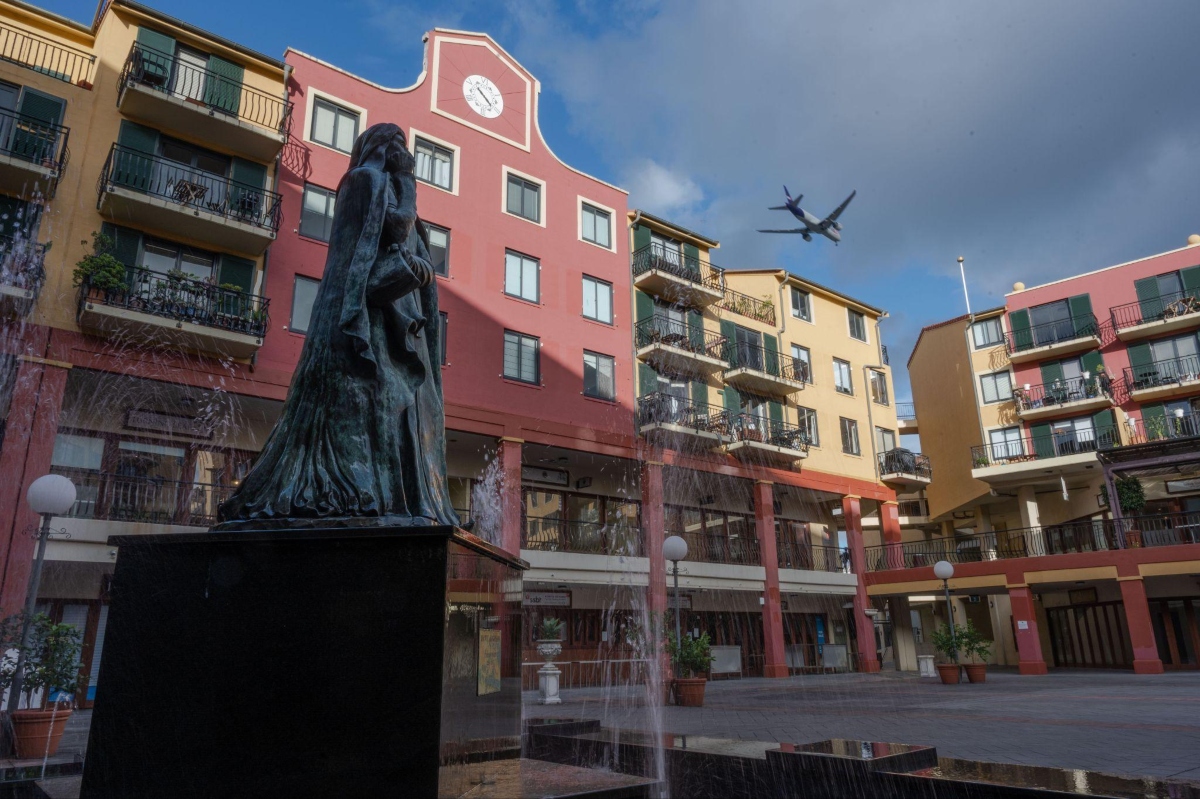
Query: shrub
{"points": [[100, 269], [693, 656]]}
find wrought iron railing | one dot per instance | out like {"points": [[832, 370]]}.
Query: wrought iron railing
{"points": [[22, 262], [655, 256], [1163, 428], [1066, 390], [45, 56], [160, 177], [1168, 306], [676, 333], [912, 507], [1163, 373], [904, 461], [906, 411], [795, 554], [762, 310], [1040, 447], [659, 408], [29, 139], [748, 427], [716, 548], [588, 538], [148, 500], [171, 75], [745, 355], [177, 296], [1048, 333]]}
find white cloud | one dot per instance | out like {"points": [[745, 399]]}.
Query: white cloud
{"points": [[659, 190]]}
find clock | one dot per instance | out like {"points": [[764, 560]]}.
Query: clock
{"points": [[482, 96]]}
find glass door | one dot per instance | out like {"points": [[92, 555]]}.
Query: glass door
{"points": [[190, 75]]}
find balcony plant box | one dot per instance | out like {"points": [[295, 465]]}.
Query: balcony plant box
{"points": [[751, 434], [51, 664], [692, 658]]}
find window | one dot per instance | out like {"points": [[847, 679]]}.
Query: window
{"points": [[316, 214], [808, 423], [304, 293], [435, 164], [841, 376], [521, 355], [987, 333], [596, 226], [879, 389], [164, 257], [850, 437], [520, 276], [1051, 323], [524, 198], [1170, 284], [801, 308], [333, 125], [1005, 443], [1073, 435], [885, 440], [1175, 355], [443, 330], [597, 300], [997, 387], [803, 359], [598, 371], [858, 325], [439, 249]]}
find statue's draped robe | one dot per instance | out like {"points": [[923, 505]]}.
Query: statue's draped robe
{"points": [[362, 433]]}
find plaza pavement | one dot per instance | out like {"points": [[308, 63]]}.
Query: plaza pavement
{"points": [[1114, 722]]}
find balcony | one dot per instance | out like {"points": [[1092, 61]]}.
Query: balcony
{"points": [[755, 369], [172, 95], [902, 468], [46, 57], [801, 555], [906, 416], [679, 424], [584, 538], [175, 310], [735, 551], [1172, 427], [1062, 453], [33, 155], [187, 203], [760, 310], [21, 275], [1169, 313], [1053, 339], [674, 346], [1177, 377], [757, 439], [1069, 395], [144, 500], [676, 278]]}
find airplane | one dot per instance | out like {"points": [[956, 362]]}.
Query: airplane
{"points": [[828, 227]]}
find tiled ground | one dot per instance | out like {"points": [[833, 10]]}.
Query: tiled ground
{"points": [[1114, 722]]}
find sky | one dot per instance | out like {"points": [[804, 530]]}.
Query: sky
{"points": [[1037, 140]]}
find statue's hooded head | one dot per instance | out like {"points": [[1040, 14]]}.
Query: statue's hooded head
{"points": [[382, 147]]}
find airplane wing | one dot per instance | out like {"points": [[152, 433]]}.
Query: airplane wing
{"points": [[838, 211], [797, 230], [779, 208]]}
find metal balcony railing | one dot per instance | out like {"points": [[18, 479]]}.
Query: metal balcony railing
{"points": [[1051, 333], [167, 73], [1168, 306], [44, 56], [22, 262], [912, 507], [748, 427], [745, 355], [795, 554], [659, 408], [906, 411], [191, 188], [762, 310], [905, 461], [148, 500], [1163, 373], [674, 333], [588, 538], [1042, 447], [673, 262], [177, 296], [1061, 392], [716, 548], [29, 139], [1164, 428]]}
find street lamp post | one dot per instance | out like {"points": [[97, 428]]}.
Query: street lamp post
{"points": [[48, 496], [944, 570], [675, 549]]}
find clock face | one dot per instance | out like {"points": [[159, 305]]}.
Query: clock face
{"points": [[483, 96]]}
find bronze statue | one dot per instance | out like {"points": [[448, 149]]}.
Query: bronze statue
{"points": [[362, 434]]}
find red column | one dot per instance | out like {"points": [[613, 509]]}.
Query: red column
{"points": [[1141, 631], [1029, 645], [774, 654], [890, 519], [510, 494], [864, 625], [25, 456], [653, 525]]}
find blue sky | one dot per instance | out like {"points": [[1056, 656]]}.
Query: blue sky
{"points": [[1036, 139]]}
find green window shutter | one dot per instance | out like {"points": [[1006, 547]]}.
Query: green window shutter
{"points": [[1191, 280], [1091, 361], [223, 87], [695, 323], [247, 175], [1147, 294], [156, 60], [248, 172], [238, 272], [32, 141], [770, 354], [137, 137], [729, 333], [775, 414], [691, 259], [1050, 372], [647, 380], [1081, 314], [1022, 336], [641, 237], [1043, 440], [1105, 425], [1141, 361], [126, 242], [130, 168], [1154, 421], [731, 400], [699, 392], [643, 305]]}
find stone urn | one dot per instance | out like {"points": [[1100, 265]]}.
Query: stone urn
{"points": [[548, 674], [549, 650]]}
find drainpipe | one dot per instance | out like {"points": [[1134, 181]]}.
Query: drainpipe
{"points": [[867, 368], [633, 364]]}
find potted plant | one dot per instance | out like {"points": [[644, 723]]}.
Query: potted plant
{"points": [[1132, 496], [972, 644], [51, 664], [691, 657], [947, 641], [549, 640], [100, 271]]}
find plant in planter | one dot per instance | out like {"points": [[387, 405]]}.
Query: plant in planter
{"points": [[947, 641], [51, 664], [691, 657], [972, 644], [1132, 496], [549, 646], [100, 271]]}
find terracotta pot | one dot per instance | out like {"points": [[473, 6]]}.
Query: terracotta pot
{"points": [[32, 727], [976, 672], [949, 673], [689, 691]]}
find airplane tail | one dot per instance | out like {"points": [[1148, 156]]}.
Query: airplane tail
{"points": [[787, 193]]}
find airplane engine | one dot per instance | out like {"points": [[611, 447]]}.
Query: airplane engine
{"points": [[806, 236], [837, 225]]}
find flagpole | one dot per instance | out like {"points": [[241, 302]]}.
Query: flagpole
{"points": [[963, 272]]}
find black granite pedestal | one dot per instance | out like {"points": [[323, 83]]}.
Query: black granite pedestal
{"points": [[305, 663]]}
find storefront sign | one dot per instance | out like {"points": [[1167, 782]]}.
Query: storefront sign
{"points": [[488, 676], [682, 602], [1183, 486], [547, 599], [169, 423]]}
